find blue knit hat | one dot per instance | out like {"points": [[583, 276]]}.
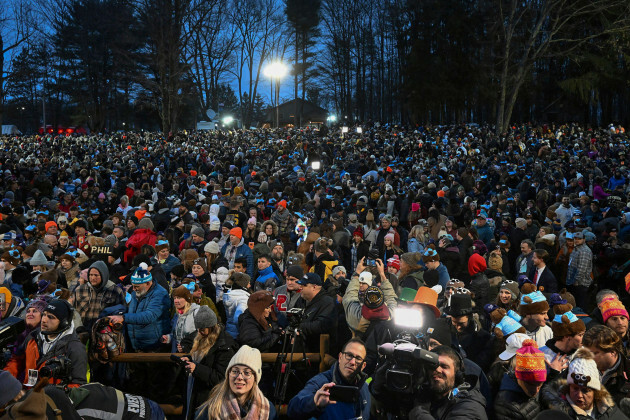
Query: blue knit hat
{"points": [[141, 275]]}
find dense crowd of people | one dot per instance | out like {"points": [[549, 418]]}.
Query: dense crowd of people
{"points": [[505, 256]]}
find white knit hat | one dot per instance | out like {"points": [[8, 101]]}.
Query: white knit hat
{"points": [[583, 370], [249, 357], [365, 277]]}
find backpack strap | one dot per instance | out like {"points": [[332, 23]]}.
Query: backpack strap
{"points": [[51, 404]]}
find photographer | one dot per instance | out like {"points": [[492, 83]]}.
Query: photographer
{"points": [[447, 395], [320, 316], [315, 401]]}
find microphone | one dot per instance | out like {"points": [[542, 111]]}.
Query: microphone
{"points": [[386, 349]]}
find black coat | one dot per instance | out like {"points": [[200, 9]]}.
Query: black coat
{"points": [[467, 404], [511, 403], [477, 343], [547, 280], [320, 317], [253, 334], [210, 370]]}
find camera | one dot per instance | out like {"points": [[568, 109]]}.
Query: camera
{"points": [[10, 328], [295, 317], [370, 260], [409, 365], [58, 368], [179, 361]]}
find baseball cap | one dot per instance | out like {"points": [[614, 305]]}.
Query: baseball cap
{"points": [[310, 278]]}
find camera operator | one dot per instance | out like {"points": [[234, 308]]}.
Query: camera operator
{"points": [[320, 316], [314, 401], [447, 395]]}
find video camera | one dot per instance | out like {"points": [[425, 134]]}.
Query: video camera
{"points": [[409, 367], [10, 328], [58, 368], [295, 317]]}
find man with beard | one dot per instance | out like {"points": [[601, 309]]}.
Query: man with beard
{"points": [[449, 396], [277, 254]]}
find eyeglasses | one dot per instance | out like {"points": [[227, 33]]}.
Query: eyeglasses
{"points": [[349, 356], [247, 374]]}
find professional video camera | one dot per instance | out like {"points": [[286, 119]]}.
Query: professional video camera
{"points": [[295, 317], [10, 328], [409, 367], [58, 368]]}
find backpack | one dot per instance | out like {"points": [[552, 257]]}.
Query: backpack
{"points": [[108, 340], [328, 267]]}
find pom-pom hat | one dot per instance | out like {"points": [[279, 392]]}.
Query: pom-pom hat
{"points": [[530, 363], [141, 275]]}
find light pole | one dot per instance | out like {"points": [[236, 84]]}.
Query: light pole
{"points": [[276, 70]]}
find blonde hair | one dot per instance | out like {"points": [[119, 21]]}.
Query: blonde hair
{"points": [[221, 393], [202, 345]]}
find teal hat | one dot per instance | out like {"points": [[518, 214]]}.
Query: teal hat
{"points": [[407, 294], [141, 275]]}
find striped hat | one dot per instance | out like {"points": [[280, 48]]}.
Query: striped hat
{"points": [[628, 282], [612, 307], [530, 363], [533, 303], [141, 275]]}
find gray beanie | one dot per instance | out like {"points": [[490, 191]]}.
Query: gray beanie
{"points": [[145, 223], [205, 318], [38, 258], [198, 230], [212, 247], [110, 240]]}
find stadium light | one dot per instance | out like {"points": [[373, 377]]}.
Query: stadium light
{"points": [[228, 120], [275, 71]]}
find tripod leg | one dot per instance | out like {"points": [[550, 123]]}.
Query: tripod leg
{"points": [[280, 367], [287, 372]]}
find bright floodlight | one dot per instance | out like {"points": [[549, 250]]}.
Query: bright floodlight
{"points": [[228, 120], [316, 165], [275, 70], [407, 317], [359, 130], [332, 118], [344, 129]]}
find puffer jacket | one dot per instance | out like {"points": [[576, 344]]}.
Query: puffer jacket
{"points": [[320, 317], [183, 325], [235, 302], [253, 334], [302, 406], [511, 403], [136, 240], [554, 396], [147, 318], [242, 250]]}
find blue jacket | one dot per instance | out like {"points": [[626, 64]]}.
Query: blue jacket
{"points": [[444, 277], [485, 234], [302, 406], [147, 318], [242, 250]]}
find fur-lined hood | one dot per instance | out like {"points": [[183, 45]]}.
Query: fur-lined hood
{"points": [[555, 395], [272, 223]]}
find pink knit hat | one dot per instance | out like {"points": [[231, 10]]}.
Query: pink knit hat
{"points": [[530, 363]]}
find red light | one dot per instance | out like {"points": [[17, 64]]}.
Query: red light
{"points": [[70, 130]]}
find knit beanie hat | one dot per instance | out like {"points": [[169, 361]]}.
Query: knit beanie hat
{"points": [[627, 280], [247, 356], [251, 221], [583, 370], [205, 318], [60, 309], [237, 231], [476, 264], [10, 386], [612, 307], [479, 247], [211, 247], [440, 332], [533, 303], [358, 232], [38, 258], [565, 322], [141, 275], [374, 307], [8, 296], [430, 255], [297, 271], [179, 271], [411, 258], [390, 236], [520, 223], [338, 269], [512, 287], [241, 280], [201, 261], [394, 262], [39, 303], [530, 363], [366, 277], [198, 230], [183, 292]]}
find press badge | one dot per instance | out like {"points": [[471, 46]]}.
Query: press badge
{"points": [[32, 377]]}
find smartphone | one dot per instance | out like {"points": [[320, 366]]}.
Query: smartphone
{"points": [[370, 262], [342, 393]]}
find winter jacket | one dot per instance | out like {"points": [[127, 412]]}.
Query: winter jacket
{"points": [[242, 250], [169, 263], [480, 287], [209, 371], [554, 397], [147, 318], [183, 326], [266, 280], [466, 404], [617, 384], [253, 334], [477, 343], [219, 273], [320, 317], [89, 301], [511, 403], [138, 238], [287, 300], [302, 406], [352, 305], [17, 308], [413, 280], [235, 303]]}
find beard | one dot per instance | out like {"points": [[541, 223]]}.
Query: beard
{"points": [[443, 386], [140, 294]]}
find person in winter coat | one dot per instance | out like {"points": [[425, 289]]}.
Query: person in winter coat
{"points": [[449, 396], [91, 298], [288, 295], [322, 260], [143, 235], [218, 267], [11, 305], [266, 279], [320, 316], [236, 248], [257, 326], [183, 323], [519, 392], [68, 270], [314, 400], [235, 301], [479, 283], [164, 257], [411, 274], [238, 396], [200, 271], [581, 395], [211, 352], [431, 260]]}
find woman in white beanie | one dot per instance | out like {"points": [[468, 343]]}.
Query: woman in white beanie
{"points": [[238, 396], [581, 395]]}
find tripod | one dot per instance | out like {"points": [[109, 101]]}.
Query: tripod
{"points": [[291, 335]]}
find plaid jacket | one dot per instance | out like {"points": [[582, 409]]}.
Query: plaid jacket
{"points": [[90, 302], [580, 267]]}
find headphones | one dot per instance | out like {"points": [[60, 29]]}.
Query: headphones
{"points": [[64, 324], [460, 375]]}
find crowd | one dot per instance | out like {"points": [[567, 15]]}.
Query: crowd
{"points": [[506, 256]]}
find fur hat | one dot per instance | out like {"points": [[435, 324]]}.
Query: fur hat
{"points": [[183, 292], [495, 262], [533, 303], [583, 370], [565, 322], [247, 356], [430, 255], [509, 325], [241, 280], [257, 303], [411, 258]]}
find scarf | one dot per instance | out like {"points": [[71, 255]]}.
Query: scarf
{"points": [[258, 410]]}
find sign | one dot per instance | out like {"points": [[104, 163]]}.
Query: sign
{"points": [[102, 250]]}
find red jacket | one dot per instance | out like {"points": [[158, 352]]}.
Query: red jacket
{"points": [[138, 238]]}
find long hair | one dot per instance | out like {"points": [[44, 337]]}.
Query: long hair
{"points": [[220, 394], [202, 345]]}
